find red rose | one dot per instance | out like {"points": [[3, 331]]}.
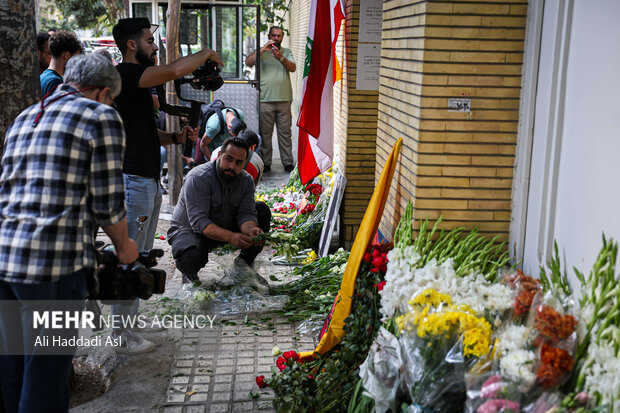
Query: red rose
{"points": [[376, 253], [260, 380], [367, 257], [281, 363], [310, 377], [378, 262], [380, 286], [288, 355]]}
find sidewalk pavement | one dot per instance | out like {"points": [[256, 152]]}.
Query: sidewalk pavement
{"points": [[215, 368]]}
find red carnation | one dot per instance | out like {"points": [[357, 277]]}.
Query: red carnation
{"points": [[260, 380], [367, 257], [380, 286], [281, 363], [288, 355], [378, 261]]}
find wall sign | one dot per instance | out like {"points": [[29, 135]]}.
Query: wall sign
{"points": [[459, 105]]}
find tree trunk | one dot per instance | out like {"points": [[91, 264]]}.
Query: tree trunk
{"points": [[19, 85], [175, 163]]}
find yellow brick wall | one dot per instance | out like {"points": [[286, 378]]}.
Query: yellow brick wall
{"points": [[356, 125], [297, 24], [454, 164]]}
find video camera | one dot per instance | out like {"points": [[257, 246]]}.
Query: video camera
{"points": [[114, 282], [206, 77]]}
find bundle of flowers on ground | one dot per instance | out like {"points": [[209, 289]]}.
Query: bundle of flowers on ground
{"points": [[311, 295], [328, 383], [298, 213]]}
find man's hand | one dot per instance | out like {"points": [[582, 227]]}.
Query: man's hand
{"points": [[214, 57], [190, 133], [267, 47], [277, 53], [241, 241], [128, 253]]}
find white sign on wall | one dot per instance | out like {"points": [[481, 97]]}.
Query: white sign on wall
{"points": [[371, 17], [368, 63]]}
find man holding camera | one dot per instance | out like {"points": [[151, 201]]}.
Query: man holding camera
{"points": [[141, 166], [216, 206], [276, 96], [60, 179]]}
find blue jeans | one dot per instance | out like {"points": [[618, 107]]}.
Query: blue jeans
{"points": [[36, 383], [143, 200]]}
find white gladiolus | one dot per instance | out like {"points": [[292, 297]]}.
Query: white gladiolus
{"points": [[403, 281]]}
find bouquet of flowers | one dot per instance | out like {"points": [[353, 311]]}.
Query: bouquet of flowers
{"points": [[439, 342]]}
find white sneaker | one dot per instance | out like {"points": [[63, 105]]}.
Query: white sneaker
{"points": [[133, 344], [148, 328]]}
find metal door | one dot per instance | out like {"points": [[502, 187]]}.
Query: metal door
{"points": [[233, 31]]}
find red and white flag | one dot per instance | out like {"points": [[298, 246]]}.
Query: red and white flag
{"points": [[316, 118]]}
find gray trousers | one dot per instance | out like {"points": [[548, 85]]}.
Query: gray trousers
{"points": [[280, 114]]}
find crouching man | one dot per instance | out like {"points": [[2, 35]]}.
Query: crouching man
{"points": [[216, 206]]}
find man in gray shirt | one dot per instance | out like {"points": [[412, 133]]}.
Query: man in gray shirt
{"points": [[216, 206]]}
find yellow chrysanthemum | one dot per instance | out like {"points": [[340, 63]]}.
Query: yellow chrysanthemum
{"points": [[310, 257], [430, 297]]}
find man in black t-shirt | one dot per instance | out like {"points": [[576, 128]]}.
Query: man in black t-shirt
{"points": [[141, 164]]}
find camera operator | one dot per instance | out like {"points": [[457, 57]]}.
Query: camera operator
{"points": [[141, 166], [60, 179]]}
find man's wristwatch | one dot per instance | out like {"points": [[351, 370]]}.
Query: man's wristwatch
{"points": [[174, 138], [282, 59]]}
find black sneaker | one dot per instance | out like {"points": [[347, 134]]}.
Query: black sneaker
{"points": [[190, 278], [267, 168], [288, 168]]}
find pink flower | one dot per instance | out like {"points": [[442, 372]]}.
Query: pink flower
{"points": [[491, 387], [499, 405]]}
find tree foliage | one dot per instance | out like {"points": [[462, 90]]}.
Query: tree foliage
{"points": [[272, 12], [92, 14]]}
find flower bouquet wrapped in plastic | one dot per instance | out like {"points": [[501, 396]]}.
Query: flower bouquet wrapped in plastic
{"points": [[439, 343]]}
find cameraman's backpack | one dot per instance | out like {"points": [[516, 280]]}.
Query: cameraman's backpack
{"points": [[215, 107]]}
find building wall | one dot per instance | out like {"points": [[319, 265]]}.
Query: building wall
{"points": [[459, 165]]}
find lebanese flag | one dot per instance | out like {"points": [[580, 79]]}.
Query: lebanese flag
{"points": [[316, 118]]}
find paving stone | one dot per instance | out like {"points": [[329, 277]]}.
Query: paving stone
{"points": [[200, 388], [175, 409], [185, 356], [199, 397], [226, 354], [175, 398], [224, 369], [223, 378], [195, 409], [222, 387], [208, 348], [243, 361], [265, 340], [202, 379], [184, 363], [244, 369], [179, 371], [264, 369], [204, 363], [243, 407], [225, 362], [205, 356], [220, 397], [251, 377], [218, 408], [266, 360], [243, 387], [180, 380]]}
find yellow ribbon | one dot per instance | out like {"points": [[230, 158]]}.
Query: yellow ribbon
{"points": [[364, 236]]}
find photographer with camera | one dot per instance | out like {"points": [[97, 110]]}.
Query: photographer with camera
{"points": [[141, 166], [60, 179], [276, 96]]}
